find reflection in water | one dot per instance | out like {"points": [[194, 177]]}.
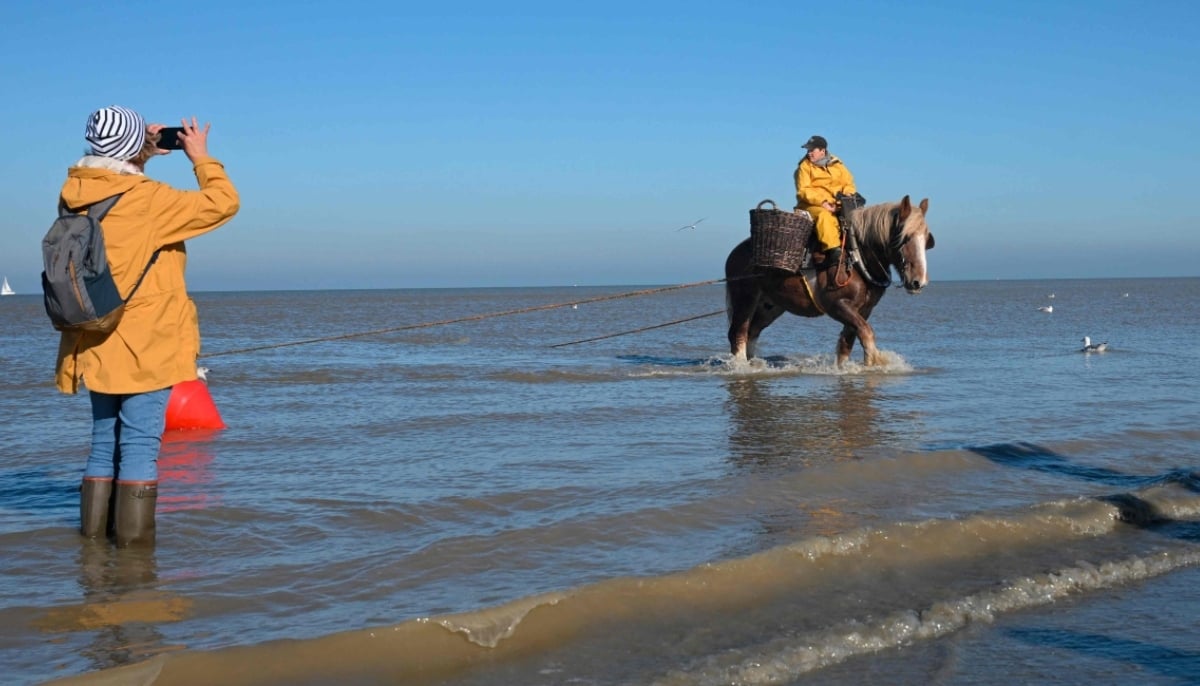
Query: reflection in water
{"points": [[183, 470], [121, 605], [775, 433], [769, 430]]}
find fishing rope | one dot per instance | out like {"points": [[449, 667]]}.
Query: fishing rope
{"points": [[644, 328], [478, 317]]}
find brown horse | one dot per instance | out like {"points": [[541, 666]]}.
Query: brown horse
{"points": [[888, 235]]}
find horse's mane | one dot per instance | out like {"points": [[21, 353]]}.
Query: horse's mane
{"points": [[873, 226]]}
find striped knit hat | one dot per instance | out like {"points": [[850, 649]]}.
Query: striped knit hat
{"points": [[116, 132]]}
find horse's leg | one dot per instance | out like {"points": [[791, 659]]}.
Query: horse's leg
{"points": [[740, 307], [766, 313], [739, 339], [749, 313], [866, 336], [854, 325], [742, 294], [845, 344]]}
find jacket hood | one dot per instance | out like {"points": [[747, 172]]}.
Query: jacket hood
{"points": [[823, 163], [89, 184]]}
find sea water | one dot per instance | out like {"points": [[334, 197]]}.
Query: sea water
{"points": [[465, 503]]}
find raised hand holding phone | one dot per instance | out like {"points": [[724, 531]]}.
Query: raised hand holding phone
{"points": [[193, 139]]}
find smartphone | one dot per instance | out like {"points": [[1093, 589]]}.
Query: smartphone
{"points": [[169, 138]]}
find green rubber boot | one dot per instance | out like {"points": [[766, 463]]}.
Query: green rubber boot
{"points": [[134, 513], [94, 496]]}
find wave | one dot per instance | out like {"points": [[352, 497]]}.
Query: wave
{"points": [[791, 656], [757, 619]]}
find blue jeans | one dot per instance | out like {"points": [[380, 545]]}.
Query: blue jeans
{"points": [[126, 434]]}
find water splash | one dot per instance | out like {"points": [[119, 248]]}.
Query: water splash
{"points": [[779, 365]]}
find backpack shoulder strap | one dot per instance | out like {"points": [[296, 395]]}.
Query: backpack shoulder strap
{"points": [[145, 271], [96, 210]]}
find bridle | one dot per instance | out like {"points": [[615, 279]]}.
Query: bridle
{"points": [[897, 239]]}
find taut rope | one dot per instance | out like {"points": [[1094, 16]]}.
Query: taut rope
{"points": [[644, 328], [478, 317]]}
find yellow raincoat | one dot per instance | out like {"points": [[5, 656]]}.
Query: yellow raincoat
{"points": [[815, 185], [158, 339]]}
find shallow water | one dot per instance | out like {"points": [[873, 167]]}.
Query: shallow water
{"points": [[466, 504]]}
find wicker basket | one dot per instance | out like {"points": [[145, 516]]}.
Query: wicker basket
{"points": [[778, 238]]}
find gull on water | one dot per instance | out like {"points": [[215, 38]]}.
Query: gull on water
{"points": [[202, 373], [692, 225], [1090, 347], [1046, 308]]}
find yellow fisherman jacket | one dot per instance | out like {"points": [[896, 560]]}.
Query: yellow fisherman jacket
{"points": [[816, 185]]}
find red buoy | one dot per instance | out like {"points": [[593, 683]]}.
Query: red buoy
{"points": [[191, 407]]}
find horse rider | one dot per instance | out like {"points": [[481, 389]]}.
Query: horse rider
{"points": [[820, 179]]}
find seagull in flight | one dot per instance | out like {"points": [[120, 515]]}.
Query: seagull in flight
{"points": [[692, 225], [1090, 347]]}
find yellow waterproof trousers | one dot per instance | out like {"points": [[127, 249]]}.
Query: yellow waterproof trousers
{"points": [[827, 227]]}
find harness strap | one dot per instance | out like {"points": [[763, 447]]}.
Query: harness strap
{"points": [[812, 295], [872, 280]]}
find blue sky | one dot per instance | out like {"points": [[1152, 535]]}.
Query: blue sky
{"points": [[396, 144]]}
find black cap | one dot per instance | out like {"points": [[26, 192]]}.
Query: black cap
{"points": [[816, 142]]}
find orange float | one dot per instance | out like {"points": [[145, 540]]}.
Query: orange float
{"points": [[191, 407]]}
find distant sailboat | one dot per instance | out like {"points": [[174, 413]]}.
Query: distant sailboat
{"points": [[7, 289]]}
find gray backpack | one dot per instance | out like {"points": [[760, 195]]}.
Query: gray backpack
{"points": [[77, 284]]}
